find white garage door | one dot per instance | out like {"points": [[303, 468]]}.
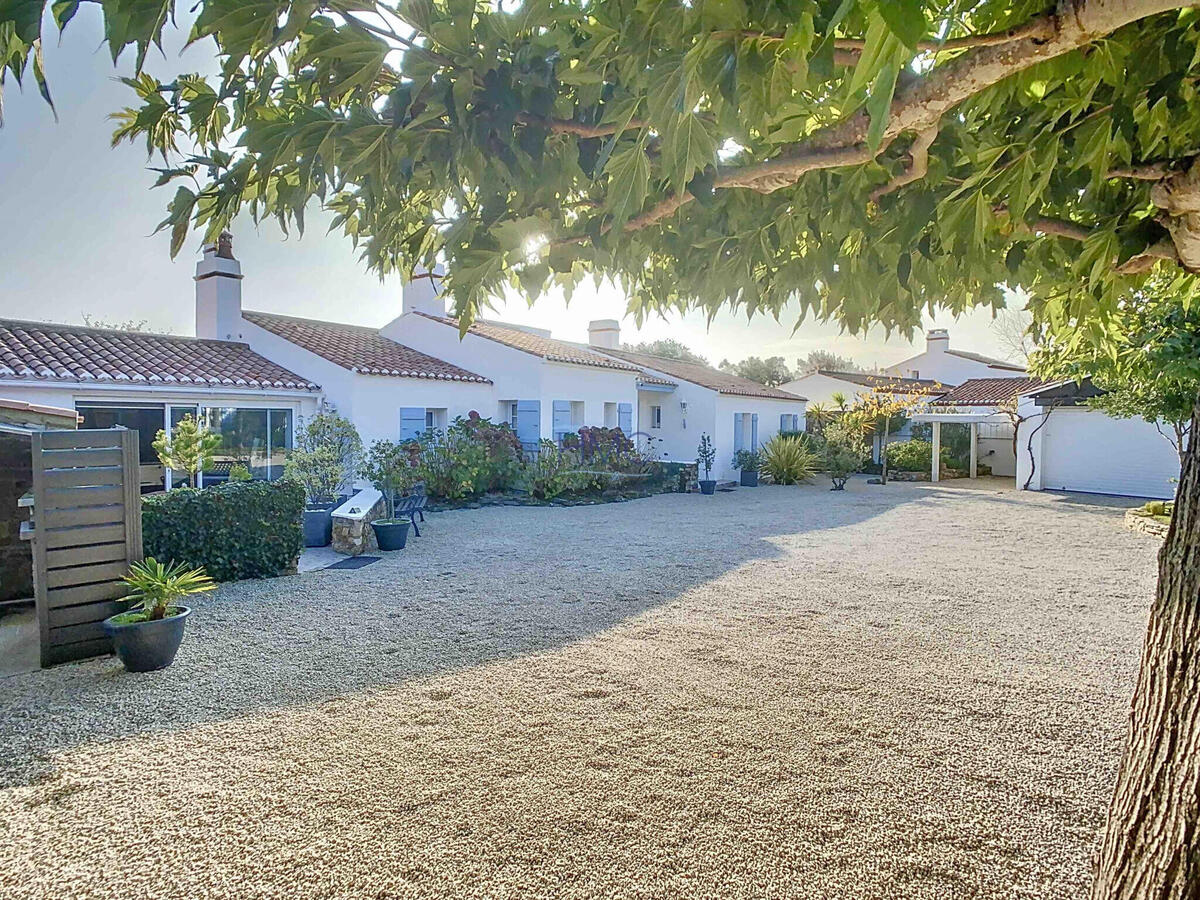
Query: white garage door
{"points": [[1085, 450]]}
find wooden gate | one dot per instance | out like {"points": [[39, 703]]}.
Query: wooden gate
{"points": [[87, 530]]}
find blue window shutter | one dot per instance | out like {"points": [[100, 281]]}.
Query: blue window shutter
{"points": [[784, 419], [529, 422], [412, 422], [754, 431], [795, 422], [737, 432], [562, 417], [625, 418]]}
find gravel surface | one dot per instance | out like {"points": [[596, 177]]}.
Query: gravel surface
{"points": [[914, 691]]}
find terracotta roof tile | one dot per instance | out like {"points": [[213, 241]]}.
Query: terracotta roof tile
{"points": [[705, 376], [989, 391], [74, 353], [536, 344], [360, 349]]}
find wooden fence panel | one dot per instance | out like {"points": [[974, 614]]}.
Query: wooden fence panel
{"points": [[87, 531]]}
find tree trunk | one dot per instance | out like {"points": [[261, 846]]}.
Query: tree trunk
{"points": [[883, 450], [1151, 847]]}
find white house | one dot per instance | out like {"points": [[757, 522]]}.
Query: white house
{"points": [[253, 375], [823, 385], [1065, 446], [950, 367], [150, 382], [735, 412]]}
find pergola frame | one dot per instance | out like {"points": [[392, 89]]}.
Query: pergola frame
{"points": [[970, 419]]}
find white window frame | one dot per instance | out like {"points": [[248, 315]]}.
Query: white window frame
{"points": [[656, 417]]}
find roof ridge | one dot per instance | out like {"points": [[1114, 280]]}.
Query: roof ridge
{"points": [[307, 320], [44, 326]]}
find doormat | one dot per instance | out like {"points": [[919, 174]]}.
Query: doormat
{"points": [[354, 562], [726, 490]]}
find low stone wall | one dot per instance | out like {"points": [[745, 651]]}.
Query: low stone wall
{"points": [[1145, 524], [352, 531]]}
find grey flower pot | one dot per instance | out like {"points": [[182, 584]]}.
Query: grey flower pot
{"points": [[151, 645]]}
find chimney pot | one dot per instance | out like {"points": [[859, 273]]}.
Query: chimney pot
{"points": [[423, 293]]}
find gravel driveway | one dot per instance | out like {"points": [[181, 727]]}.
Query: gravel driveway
{"points": [[911, 691]]}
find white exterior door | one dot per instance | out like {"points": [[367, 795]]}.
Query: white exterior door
{"points": [[1085, 450]]}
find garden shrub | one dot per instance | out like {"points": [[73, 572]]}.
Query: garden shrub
{"points": [[503, 458], [235, 530], [553, 472], [452, 466], [787, 460], [916, 456]]}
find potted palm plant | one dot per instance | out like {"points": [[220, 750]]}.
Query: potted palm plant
{"points": [[389, 467], [147, 636], [748, 461], [706, 458], [324, 462]]}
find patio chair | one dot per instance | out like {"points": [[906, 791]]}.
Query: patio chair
{"points": [[412, 506]]}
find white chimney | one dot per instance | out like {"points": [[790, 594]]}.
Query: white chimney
{"points": [[219, 292], [605, 333], [423, 293], [937, 340]]}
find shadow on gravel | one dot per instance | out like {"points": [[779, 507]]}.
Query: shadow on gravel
{"points": [[480, 586]]}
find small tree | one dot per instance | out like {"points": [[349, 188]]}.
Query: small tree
{"points": [[326, 456], [389, 467], [880, 409], [706, 456], [189, 448], [845, 451]]}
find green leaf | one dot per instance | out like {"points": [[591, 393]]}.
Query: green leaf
{"points": [[879, 104], [906, 19], [628, 182], [687, 148]]}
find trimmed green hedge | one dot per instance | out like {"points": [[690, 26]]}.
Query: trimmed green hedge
{"points": [[236, 530]]}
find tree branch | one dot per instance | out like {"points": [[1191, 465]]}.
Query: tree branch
{"points": [[1155, 171], [919, 106], [579, 129], [919, 153], [851, 48]]}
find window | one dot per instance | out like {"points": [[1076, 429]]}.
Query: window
{"points": [[147, 419], [256, 438], [435, 419], [610, 415], [508, 413], [656, 417], [914, 373]]}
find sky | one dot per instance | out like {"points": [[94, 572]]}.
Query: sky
{"points": [[76, 237]]}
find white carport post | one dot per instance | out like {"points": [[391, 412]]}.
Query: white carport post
{"points": [[974, 426], [935, 473]]}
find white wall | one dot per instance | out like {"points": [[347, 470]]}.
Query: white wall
{"points": [[768, 411], [679, 436], [941, 366], [818, 388], [518, 375], [1080, 449]]}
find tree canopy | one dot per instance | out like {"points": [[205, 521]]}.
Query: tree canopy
{"points": [[668, 348], [772, 371], [828, 360], [1150, 366], [871, 158]]}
